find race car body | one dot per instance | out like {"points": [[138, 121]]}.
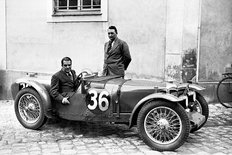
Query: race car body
{"points": [[163, 112]]}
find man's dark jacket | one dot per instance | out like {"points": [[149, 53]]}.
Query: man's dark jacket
{"points": [[63, 86], [117, 59]]}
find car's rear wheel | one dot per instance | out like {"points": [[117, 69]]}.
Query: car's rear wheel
{"points": [[29, 109], [164, 126]]}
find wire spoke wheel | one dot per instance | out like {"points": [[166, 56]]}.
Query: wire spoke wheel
{"points": [[29, 108], [163, 125], [224, 92]]}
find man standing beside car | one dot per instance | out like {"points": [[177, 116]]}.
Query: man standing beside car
{"points": [[64, 83], [116, 54]]}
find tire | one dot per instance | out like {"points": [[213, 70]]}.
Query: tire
{"points": [[168, 124], [29, 109], [201, 106], [224, 92]]}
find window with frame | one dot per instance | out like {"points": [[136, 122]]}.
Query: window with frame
{"points": [[69, 7]]}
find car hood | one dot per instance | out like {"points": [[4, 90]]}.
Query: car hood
{"points": [[143, 84], [152, 84]]}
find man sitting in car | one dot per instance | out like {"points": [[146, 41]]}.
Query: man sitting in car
{"points": [[65, 82]]}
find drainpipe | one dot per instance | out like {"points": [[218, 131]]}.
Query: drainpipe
{"points": [[198, 40]]}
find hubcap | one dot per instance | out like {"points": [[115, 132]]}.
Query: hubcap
{"points": [[29, 108], [163, 125]]}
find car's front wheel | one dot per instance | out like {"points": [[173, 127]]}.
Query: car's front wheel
{"points": [[29, 109], [163, 125]]}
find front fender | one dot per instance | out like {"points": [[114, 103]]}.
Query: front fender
{"points": [[195, 87], [44, 94], [168, 97]]}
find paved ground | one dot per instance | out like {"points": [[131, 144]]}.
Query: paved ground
{"points": [[68, 137]]}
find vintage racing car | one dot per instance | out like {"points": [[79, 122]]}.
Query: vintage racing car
{"points": [[164, 112]]}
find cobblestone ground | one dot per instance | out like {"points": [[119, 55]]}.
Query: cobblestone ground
{"points": [[68, 137]]}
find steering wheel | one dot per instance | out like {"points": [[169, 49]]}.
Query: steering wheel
{"points": [[80, 76], [86, 74]]}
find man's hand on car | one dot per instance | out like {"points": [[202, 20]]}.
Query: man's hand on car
{"points": [[65, 100]]}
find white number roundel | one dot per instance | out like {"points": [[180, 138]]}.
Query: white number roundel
{"points": [[100, 100]]}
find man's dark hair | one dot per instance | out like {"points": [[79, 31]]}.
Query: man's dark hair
{"points": [[115, 29], [65, 59]]}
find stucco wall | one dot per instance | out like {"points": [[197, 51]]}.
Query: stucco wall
{"points": [[2, 35], [33, 44], [158, 32], [143, 26], [216, 39]]}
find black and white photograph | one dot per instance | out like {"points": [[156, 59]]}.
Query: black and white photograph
{"points": [[116, 77]]}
